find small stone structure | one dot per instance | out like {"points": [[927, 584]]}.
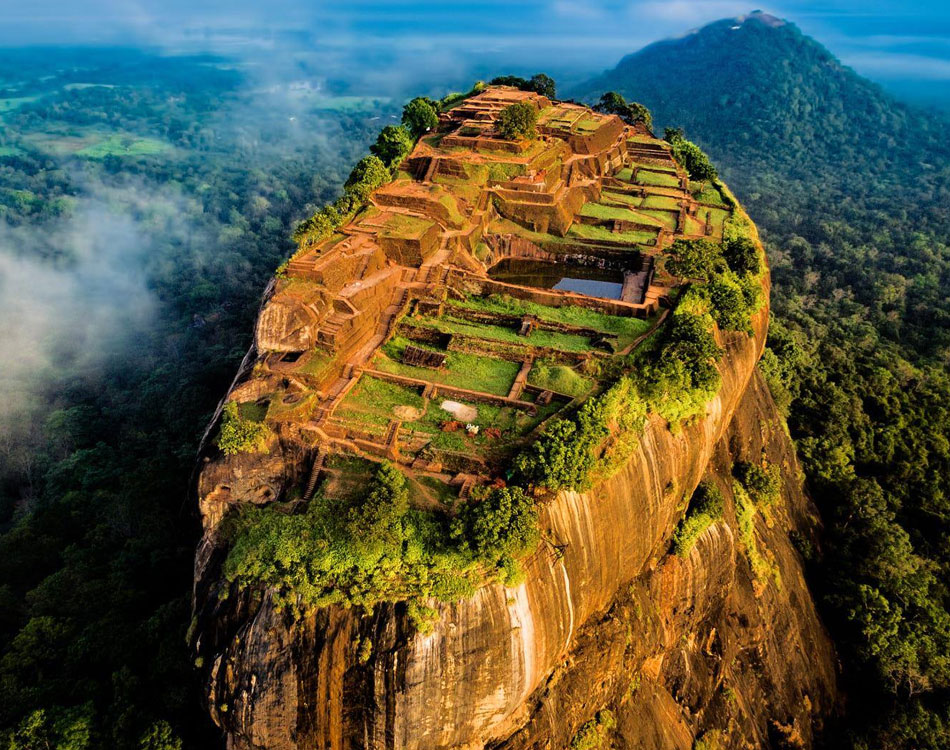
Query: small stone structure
{"points": [[419, 357]]}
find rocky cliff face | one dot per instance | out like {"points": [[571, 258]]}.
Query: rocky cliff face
{"points": [[609, 637], [605, 618]]}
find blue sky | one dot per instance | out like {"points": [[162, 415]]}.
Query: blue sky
{"points": [[888, 40]]}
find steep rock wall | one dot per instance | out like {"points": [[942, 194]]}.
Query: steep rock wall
{"points": [[525, 666]]}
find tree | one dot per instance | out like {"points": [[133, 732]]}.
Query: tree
{"points": [[612, 103], [518, 121], [540, 83], [503, 522], [694, 259], [420, 116], [517, 81], [631, 113], [368, 174], [543, 84], [742, 255], [159, 737], [392, 145], [691, 156]]}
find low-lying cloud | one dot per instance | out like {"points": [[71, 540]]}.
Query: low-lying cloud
{"points": [[71, 295]]}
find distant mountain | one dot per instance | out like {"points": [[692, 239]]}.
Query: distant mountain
{"points": [[761, 97]]}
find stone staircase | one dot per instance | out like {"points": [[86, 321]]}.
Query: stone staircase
{"points": [[315, 472]]}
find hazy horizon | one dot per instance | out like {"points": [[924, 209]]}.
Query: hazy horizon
{"points": [[394, 46]]}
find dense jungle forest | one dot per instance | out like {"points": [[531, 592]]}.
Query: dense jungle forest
{"points": [[157, 195], [191, 173]]}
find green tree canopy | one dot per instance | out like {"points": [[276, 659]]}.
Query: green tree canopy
{"points": [[543, 84], [631, 113], [691, 156], [518, 121], [392, 145], [368, 174], [420, 116]]}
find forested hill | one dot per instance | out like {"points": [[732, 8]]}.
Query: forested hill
{"points": [[851, 190], [759, 93], [808, 143]]}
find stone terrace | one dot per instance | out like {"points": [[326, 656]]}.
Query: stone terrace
{"points": [[392, 339]]}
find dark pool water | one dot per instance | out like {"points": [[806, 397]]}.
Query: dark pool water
{"points": [[567, 277]]}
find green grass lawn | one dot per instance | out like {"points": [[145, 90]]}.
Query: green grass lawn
{"points": [[617, 197], [625, 174], [694, 225], [661, 201], [559, 378], [470, 371], [670, 168], [119, 145], [377, 399], [604, 211], [587, 232], [252, 410], [662, 218], [710, 195], [626, 329], [512, 423], [565, 342], [657, 179]]}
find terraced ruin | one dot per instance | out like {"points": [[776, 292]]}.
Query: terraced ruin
{"points": [[485, 289], [452, 500]]}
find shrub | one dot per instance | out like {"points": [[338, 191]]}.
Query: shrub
{"points": [[420, 116], [498, 525], [563, 456], [731, 304], [764, 484], [691, 156], [373, 550], [742, 255], [683, 376], [695, 259], [518, 121], [368, 174], [593, 733], [393, 144], [239, 435], [705, 508]]}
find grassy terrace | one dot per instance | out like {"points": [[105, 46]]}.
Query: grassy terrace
{"points": [[619, 213], [626, 329], [565, 342], [511, 424], [710, 194], [560, 378], [663, 218], [403, 225], [657, 179], [587, 232], [661, 201], [469, 371], [373, 403], [668, 168]]}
